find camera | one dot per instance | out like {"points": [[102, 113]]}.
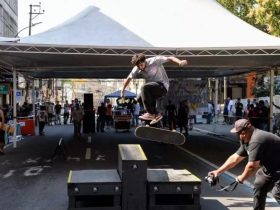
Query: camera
{"points": [[211, 180]]}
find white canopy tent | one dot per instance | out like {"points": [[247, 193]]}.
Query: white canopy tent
{"points": [[100, 41], [155, 23]]}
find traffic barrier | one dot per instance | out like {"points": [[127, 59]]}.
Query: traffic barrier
{"points": [[27, 125]]}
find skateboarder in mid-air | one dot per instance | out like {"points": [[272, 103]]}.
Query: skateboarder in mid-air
{"points": [[157, 82]]}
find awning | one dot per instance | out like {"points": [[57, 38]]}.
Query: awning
{"points": [[117, 94]]}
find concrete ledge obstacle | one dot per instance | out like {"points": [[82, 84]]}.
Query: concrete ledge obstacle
{"points": [[94, 189], [133, 186]]}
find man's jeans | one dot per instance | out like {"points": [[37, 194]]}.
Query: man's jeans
{"points": [[150, 92], [264, 183]]}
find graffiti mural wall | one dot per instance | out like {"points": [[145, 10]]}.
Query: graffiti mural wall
{"points": [[192, 90]]}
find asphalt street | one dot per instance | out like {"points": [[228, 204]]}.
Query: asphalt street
{"points": [[31, 179]]}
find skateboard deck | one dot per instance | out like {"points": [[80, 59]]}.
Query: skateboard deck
{"points": [[7, 128], [160, 135]]}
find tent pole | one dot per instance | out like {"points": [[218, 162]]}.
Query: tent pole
{"points": [[14, 106], [216, 98], [210, 96], [33, 101], [225, 88], [271, 99]]}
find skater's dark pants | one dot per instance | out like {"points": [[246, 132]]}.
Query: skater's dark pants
{"points": [[264, 183], [150, 92]]}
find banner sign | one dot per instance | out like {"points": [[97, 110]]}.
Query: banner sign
{"points": [[4, 89]]}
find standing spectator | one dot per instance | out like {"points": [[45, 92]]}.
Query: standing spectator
{"points": [[252, 115], [183, 113], [239, 109], [247, 108], [171, 113], [136, 113], [42, 119], [25, 110], [263, 116], [66, 112], [101, 117], [210, 109], [262, 149], [109, 114], [72, 107], [225, 112], [2, 132], [218, 110], [230, 110], [50, 110], [77, 115], [57, 109], [248, 103]]}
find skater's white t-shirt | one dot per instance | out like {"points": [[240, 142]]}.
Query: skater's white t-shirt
{"points": [[154, 71]]}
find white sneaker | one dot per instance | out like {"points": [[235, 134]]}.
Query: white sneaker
{"points": [[147, 116], [156, 119]]}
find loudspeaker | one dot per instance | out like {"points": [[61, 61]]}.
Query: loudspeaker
{"points": [[89, 122], [88, 101]]}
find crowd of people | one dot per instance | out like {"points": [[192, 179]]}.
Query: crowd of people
{"points": [[257, 112], [50, 114]]}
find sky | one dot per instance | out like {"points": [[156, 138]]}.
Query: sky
{"points": [[56, 12]]}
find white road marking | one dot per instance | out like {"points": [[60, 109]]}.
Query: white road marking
{"points": [[77, 159], [30, 160], [101, 157], [88, 154], [9, 174], [89, 139], [6, 162], [34, 171]]}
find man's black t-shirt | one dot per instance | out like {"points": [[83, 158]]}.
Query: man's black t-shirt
{"points": [[263, 147]]}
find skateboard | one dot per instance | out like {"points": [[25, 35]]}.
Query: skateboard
{"points": [[7, 128], [160, 135]]}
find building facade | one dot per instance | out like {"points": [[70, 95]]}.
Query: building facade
{"points": [[8, 18]]}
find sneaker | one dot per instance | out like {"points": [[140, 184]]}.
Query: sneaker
{"points": [[147, 116], [156, 119]]}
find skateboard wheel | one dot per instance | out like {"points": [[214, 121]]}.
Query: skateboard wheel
{"points": [[95, 189], [147, 125], [178, 189], [76, 190]]}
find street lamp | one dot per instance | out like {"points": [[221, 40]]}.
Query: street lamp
{"points": [[33, 24], [36, 12]]}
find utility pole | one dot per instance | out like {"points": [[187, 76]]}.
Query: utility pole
{"points": [[37, 11]]}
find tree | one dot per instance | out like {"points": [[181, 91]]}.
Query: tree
{"points": [[240, 8], [262, 88], [262, 14], [267, 13]]}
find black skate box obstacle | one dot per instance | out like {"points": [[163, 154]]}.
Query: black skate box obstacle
{"points": [[132, 186]]}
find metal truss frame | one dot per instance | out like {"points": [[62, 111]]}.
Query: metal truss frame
{"points": [[128, 51]]}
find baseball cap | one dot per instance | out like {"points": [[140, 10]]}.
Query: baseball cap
{"points": [[239, 125]]}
